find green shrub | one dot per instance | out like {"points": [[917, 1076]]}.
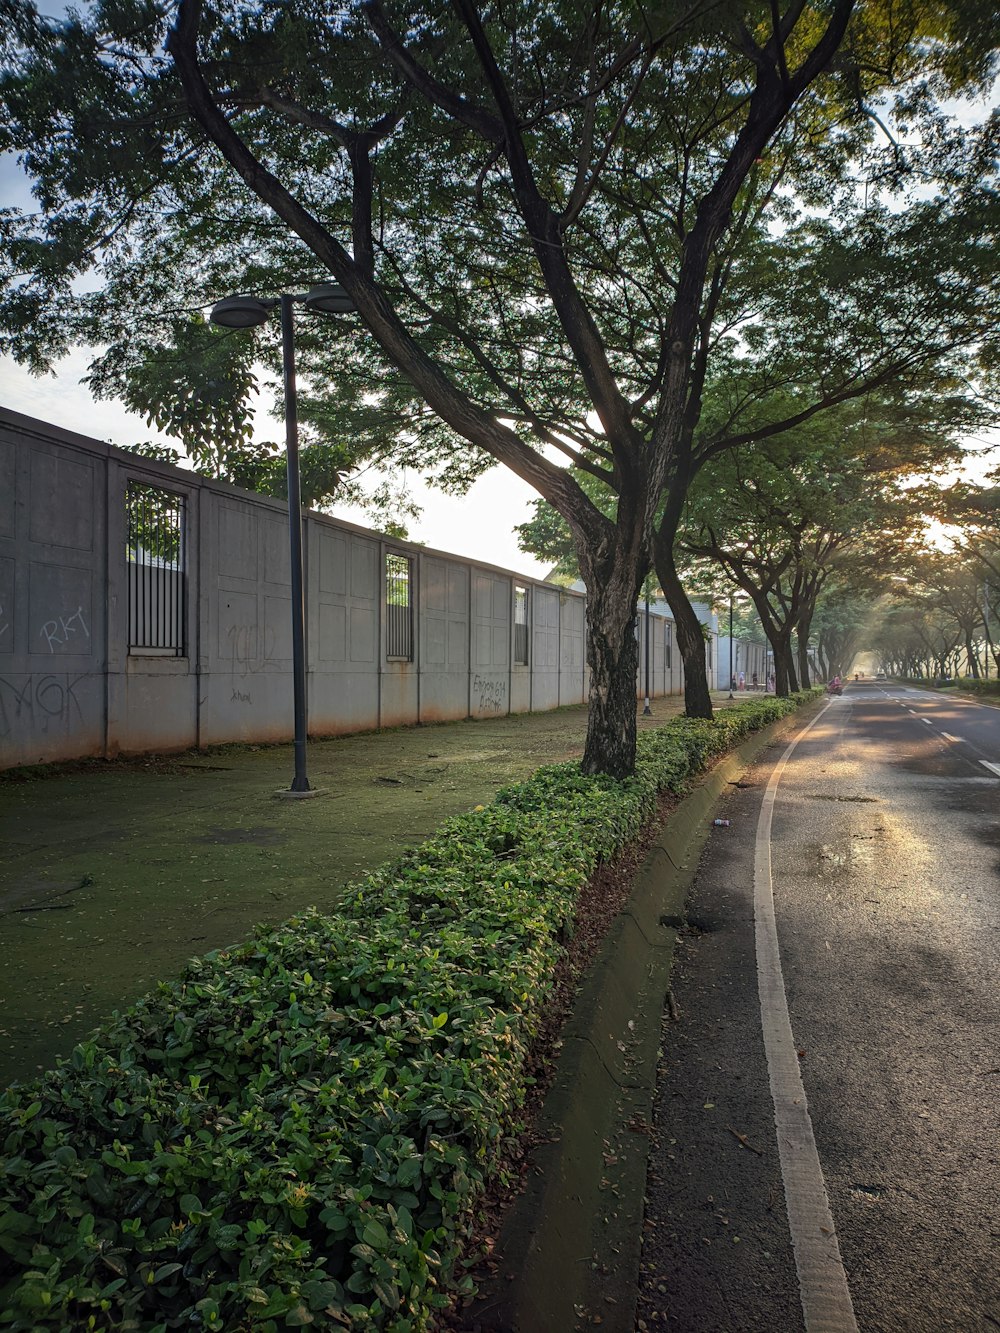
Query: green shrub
{"points": [[982, 687], [293, 1132]]}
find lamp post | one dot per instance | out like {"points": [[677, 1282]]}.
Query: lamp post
{"points": [[247, 312], [731, 676], [647, 711]]}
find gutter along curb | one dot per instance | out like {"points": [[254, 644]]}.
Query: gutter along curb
{"points": [[569, 1249]]}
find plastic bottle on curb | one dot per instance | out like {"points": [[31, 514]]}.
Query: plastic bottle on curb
{"points": [[721, 823]]}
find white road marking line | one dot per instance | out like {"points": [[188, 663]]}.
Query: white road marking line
{"points": [[927, 720], [994, 768], [949, 737], [823, 1289]]}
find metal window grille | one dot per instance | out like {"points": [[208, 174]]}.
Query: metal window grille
{"points": [[668, 644], [157, 575], [520, 626], [398, 608]]}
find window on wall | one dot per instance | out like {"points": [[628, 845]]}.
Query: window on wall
{"points": [[668, 643], [520, 626], [156, 563], [398, 608]]}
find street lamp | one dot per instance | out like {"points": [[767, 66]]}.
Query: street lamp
{"points": [[246, 312], [731, 676]]}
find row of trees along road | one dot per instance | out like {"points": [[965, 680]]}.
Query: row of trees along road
{"points": [[940, 612], [564, 226]]}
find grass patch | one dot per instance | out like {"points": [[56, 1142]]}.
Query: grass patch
{"points": [[294, 1131]]}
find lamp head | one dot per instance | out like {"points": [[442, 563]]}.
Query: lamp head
{"points": [[240, 312], [329, 298]]}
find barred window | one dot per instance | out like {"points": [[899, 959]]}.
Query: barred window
{"points": [[398, 608], [668, 643], [156, 556], [520, 626]]}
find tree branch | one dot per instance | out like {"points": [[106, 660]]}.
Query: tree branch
{"points": [[454, 407], [453, 104]]}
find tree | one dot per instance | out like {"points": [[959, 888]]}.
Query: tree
{"points": [[818, 506], [948, 588], [899, 644], [842, 625], [536, 213]]}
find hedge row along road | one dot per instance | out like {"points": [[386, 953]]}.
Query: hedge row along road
{"points": [[292, 1132]]}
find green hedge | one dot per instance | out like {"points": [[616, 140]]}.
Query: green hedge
{"points": [[982, 687], [294, 1131]]}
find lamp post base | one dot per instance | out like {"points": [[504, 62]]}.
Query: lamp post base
{"points": [[286, 794]]}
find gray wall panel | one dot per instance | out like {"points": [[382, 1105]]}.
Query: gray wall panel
{"points": [[572, 685], [332, 548], [50, 715], [62, 500], [332, 634], [274, 557], [160, 709], [278, 631], [365, 574], [8, 487], [236, 535], [342, 702], [444, 696], [61, 611], [399, 694], [8, 613], [363, 625]]}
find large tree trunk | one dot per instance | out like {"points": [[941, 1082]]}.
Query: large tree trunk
{"points": [[785, 680], [613, 582], [779, 636], [690, 639], [803, 647], [972, 657], [613, 658]]}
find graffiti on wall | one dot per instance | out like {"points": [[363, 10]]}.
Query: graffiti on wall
{"points": [[250, 650], [492, 694], [38, 703], [58, 633]]}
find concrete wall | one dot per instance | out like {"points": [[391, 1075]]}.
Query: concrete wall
{"points": [[71, 685]]}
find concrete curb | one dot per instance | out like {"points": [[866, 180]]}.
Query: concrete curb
{"points": [[569, 1251]]}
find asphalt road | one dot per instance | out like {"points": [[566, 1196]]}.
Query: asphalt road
{"points": [[884, 865]]}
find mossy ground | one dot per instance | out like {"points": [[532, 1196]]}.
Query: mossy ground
{"points": [[114, 874]]}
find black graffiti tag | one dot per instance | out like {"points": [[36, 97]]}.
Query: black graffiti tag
{"points": [[42, 701]]}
